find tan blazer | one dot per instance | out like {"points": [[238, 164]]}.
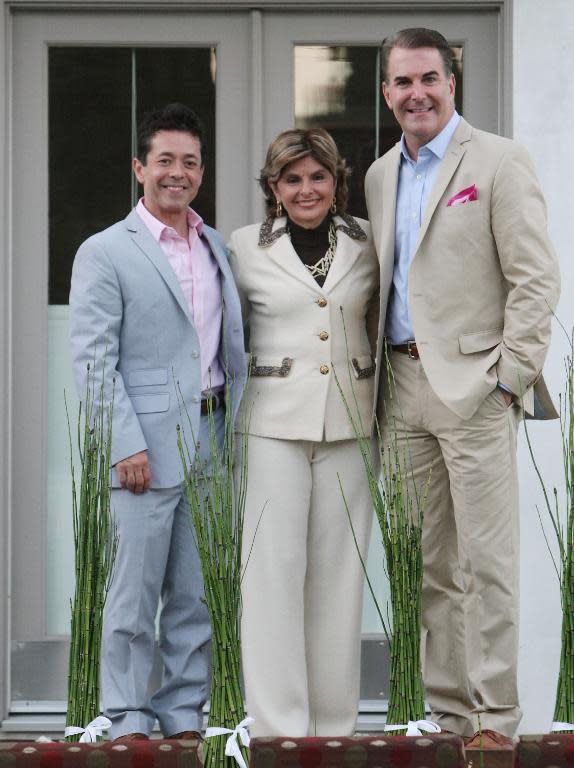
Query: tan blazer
{"points": [[302, 336], [484, 279]]}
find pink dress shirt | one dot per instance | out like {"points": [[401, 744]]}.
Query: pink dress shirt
{"points": [[198, 274]]}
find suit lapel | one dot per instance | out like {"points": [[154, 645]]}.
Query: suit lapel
{"points": [[229, 293], [388, 207], [450, 162], [218, 253], [283, 255], [148, 246], [348, 251]]}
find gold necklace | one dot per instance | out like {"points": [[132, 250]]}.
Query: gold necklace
{"points": [[321, 267]]}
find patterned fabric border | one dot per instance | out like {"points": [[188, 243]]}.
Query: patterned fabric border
{"points": [[154, 753], [267, 236], [377, 751], [363, 373], [270, 370]]}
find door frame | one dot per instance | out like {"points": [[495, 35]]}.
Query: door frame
{"points": [[255, 143]]}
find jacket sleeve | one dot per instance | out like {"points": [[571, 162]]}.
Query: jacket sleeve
{"points": [[96, 311], [529, 266]]}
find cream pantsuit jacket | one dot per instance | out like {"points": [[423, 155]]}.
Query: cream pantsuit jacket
{"points": [[303, 336], [484, 279]]}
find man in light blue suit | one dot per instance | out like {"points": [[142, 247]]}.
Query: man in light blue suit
{"points": [[155, 312]]}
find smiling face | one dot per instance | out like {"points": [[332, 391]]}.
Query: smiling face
{"points": [[420, 94], [171, 176], [306, 190]]}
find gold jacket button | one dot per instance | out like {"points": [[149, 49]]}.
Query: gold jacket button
{"points": [[321, 301], [323, 335], [324, 369]]}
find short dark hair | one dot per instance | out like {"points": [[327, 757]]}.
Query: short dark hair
{"points": [[416, 37], [172, 117]]}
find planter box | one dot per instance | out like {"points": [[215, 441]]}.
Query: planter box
{"points": [[551, 749], [378, 751], [154, 753], [503, 757]]}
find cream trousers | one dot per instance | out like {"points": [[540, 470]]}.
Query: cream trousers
{"points": [[303, 586], [470, 549]]}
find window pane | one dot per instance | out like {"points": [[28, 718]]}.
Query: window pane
{"points": [[89, 151], [92, 100], [187, 75], [339, 88], [336, 87]]}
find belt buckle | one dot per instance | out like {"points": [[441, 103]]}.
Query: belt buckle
{"points": [[410, 345]]}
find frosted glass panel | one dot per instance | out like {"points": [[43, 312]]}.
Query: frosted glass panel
{"points": [[379, 582], [59, 534]]}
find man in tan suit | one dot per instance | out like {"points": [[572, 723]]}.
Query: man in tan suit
{"points": [[469, 281]]}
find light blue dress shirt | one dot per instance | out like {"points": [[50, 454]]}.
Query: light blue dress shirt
{"points": [[416, 180]]}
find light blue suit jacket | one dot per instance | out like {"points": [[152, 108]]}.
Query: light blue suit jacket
{"points": [[129, 319]]}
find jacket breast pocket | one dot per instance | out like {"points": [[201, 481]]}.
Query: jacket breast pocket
{"points": [[154, 402], [147, 377], [363, 367], [270, 366]]}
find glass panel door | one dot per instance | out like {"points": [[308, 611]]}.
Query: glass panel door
{"points": [[328, 69], [81, 81]]}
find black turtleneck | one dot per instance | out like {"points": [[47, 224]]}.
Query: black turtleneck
{"points": [[310, 244]]}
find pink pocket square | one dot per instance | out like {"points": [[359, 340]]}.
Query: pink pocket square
{"points": [[464, 196]]}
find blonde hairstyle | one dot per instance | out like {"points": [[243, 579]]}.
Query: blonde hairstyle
{"points": [[296, 144]]}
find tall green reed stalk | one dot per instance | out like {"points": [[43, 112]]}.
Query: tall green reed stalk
{"points": [[399, 510], [95, 545], [217, 511], [562, 523]]}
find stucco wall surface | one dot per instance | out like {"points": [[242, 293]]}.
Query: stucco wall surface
{"points": [[543, 120]]}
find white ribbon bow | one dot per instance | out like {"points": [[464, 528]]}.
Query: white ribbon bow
{"points": [[91, 731], [415, 727], [562, 727], [232, 748]]}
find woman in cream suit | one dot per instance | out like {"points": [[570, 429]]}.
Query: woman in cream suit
{"points": [[308, 278]]}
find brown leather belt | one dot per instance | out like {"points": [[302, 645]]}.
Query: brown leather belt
{"points": [[408, 348], [212, 403]]}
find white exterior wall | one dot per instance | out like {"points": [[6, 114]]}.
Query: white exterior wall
{"points": [[543, 120]]}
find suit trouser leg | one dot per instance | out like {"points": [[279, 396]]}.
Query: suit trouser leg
{"points": [[144, 524], [334, 586], [300, 660], [157, 556], [275, 561], [184, 633], [185, 627], [470, 550]]}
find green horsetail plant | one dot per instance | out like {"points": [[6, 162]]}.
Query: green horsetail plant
{"points": [[217, 509], [562, 523], [95, 545], [399, 509]]}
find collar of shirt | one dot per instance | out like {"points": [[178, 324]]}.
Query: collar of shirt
{"points": [[437, 145], [157, 227]]}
